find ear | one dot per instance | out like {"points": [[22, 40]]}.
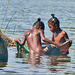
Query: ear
{"points": [[37, 27], [40, 27], [56, 26]]}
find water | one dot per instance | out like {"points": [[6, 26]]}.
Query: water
{"points": [[27, 13]]}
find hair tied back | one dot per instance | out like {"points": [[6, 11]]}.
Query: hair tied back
{"points": [[52, 15], [39, 19]]}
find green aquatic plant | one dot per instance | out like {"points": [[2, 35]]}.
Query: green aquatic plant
{"points": [[4, 30], [7, 23], [5, 13], [10, 20]]}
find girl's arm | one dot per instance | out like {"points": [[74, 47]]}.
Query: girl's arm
{"points": [[23, 40], [52, 37], [65, 35], [47, 40], [44, 43]]}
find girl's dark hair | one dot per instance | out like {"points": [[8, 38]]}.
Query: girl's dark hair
{"points": [[54, 20], [39, 23]]}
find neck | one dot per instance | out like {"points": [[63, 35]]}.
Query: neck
{"points": [[34, 27], [58, 30]]}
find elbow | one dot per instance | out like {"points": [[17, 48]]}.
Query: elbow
{"points": [[22, 43], [70, 43], [43, 39]]}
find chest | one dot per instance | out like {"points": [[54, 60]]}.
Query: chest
{"points": [[58, 37]]}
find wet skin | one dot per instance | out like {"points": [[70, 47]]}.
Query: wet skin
{"points": [[59, 36], [33, 38]]}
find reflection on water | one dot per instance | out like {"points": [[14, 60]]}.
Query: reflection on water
{"points": [[3, 64], [31, 58], [36, 64], [52, 63]]}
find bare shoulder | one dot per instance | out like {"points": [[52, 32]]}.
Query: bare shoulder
{"points": [[27, 33], [41, 31], [63, 33]]}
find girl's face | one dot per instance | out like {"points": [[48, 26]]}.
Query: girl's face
{"points": [[52, 28]]}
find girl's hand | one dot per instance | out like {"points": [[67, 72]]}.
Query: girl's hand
{"points": [[17, 40], [58, 45]]}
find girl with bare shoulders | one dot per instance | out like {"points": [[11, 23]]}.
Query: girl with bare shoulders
{"points": [[58, 36], [34, 37]]}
